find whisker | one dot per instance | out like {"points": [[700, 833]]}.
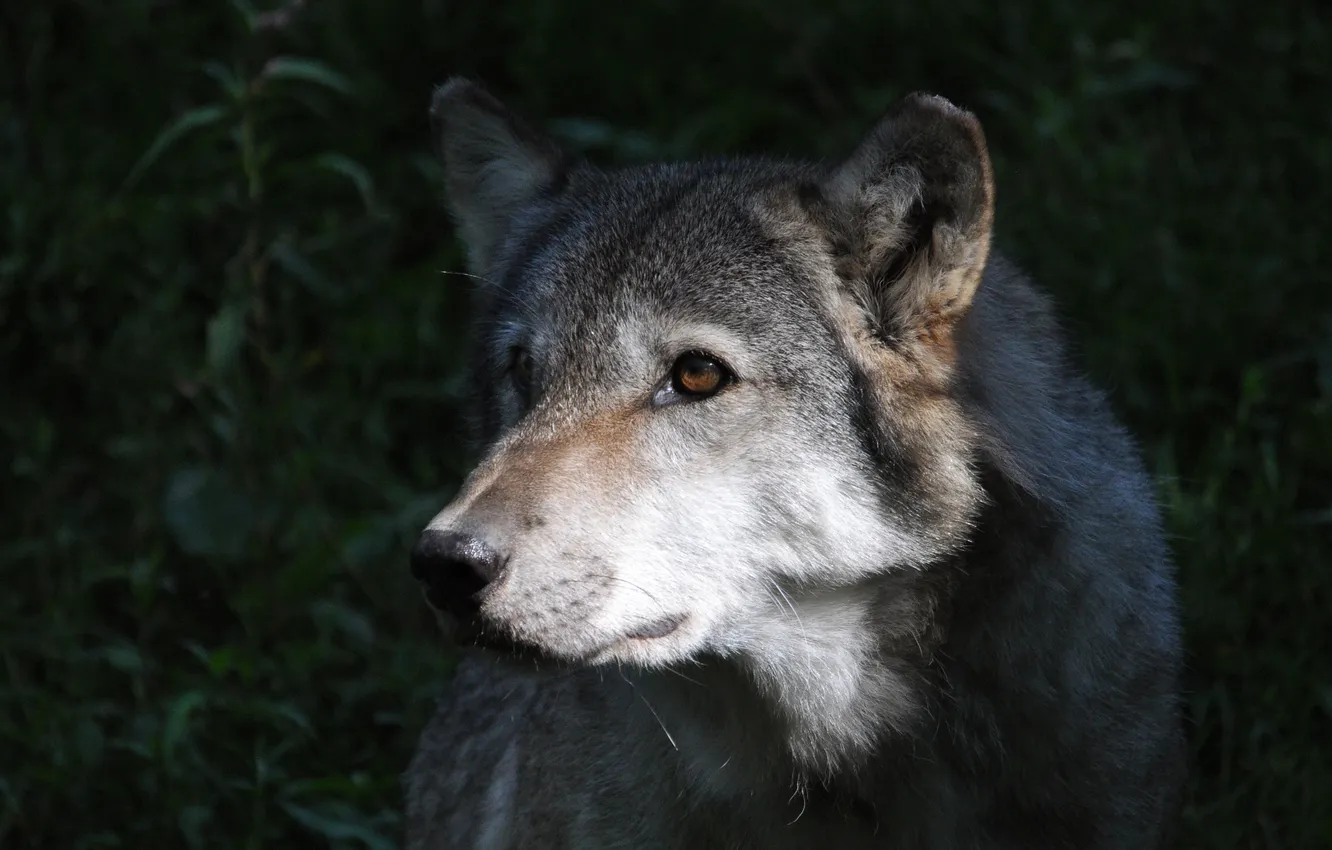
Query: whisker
{"points": [[637, 587], [655, 716], [484, 280], [686, 678], [494, 284]]}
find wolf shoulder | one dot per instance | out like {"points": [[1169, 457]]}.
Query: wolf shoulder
{"points": [[510, 760]]}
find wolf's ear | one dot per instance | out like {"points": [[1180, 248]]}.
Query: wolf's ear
{"points": [[495, 164], [910, 213]]}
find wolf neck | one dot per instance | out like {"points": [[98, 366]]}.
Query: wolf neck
{"points": [[809, 697]]}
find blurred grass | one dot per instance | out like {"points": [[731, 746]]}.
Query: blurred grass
{"points": [[230, 359]]}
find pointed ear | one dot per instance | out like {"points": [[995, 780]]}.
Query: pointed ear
{"points": [[495, 165], [909, 214]]}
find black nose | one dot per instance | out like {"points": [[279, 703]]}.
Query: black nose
{"points": [[455, 567]]}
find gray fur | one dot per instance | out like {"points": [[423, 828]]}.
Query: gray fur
{"points": [[923, 595]]}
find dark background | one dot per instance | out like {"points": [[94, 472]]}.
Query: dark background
{"points": [[230, 359]]}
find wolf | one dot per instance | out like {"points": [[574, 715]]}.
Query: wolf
{"points": [[793, 525]]}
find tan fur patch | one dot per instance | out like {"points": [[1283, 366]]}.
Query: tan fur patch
{"points": [[526, 468]]}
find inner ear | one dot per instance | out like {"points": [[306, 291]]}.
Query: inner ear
{"points": [[495, 166], [917, 233], [911, 213]]}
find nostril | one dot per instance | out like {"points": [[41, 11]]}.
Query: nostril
{"points": [[458, 564], [426, 554]]}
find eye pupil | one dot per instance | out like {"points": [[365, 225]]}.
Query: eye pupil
{"points": [[698, 375]]}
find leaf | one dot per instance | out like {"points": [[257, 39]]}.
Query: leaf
{"points": [[588, 134], [226, 334], [193, 821], [338, 822], [306, 70], [353, 171], [193, 119], [125, 657], [177, 725], [233, 85], [1323, 357], [349, 621], [282, 711], [247, 12], [207, 513], [368, 543], [285, 255]]}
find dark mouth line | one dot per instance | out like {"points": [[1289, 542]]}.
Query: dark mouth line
{"points": [[659, 629], [467, 629]]}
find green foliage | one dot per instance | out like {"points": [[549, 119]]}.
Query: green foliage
{"points": [[231, 398]]}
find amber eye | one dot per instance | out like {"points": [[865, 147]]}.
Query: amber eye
{"points": [[697, 375], [520, 368]]}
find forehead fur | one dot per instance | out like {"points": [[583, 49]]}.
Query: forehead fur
{"points": [[687, 242]]}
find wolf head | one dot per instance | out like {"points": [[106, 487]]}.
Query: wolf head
{"points": [[711, 394]]}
